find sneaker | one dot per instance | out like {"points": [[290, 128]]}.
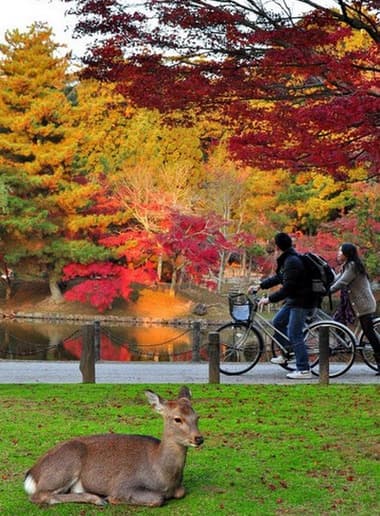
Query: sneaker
{"points": [[300, 375], [281, 359]]}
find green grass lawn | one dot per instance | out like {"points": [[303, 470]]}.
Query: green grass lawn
{"points": [[269, 450]]}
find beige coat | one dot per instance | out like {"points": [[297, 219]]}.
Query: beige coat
{"points": [[359, 289]]}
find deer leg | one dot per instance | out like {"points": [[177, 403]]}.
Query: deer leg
{"points": [[138, 496], [179, 492], [47, 498], [78, 498]]}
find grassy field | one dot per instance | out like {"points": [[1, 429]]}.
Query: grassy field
{"points": [[269, 450]]}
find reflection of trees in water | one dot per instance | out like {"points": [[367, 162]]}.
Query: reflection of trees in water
{"points": [[159, 343], [60, 341], [33, 341]]}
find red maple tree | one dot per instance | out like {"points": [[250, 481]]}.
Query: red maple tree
{"points": [[190, 244], [193, 245], [100, 283], [322, 99]]}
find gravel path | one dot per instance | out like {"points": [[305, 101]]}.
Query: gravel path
{"points": [[18, 371]]}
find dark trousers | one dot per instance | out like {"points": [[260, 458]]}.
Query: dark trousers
{"points": [[366, 322]]}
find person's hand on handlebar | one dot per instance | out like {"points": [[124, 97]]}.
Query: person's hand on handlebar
{"points": [[253, 289]]}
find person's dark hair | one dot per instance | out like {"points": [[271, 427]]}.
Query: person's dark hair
{"points": [[283, 241], [351, 253]]}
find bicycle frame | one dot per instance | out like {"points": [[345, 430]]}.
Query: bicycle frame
{"points": [[267, 328]]}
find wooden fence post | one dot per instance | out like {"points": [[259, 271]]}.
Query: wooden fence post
{"points": [[196, 341], [324, 356], [87, 358], [97, 340], [213, 357]]}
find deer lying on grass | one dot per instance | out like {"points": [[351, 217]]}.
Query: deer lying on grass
{"points": [[117, 468]]}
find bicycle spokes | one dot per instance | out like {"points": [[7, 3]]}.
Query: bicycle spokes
{"points": [[340, 342], [240, 348]]}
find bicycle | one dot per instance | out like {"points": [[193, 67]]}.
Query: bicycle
{"points": [[242, 340], [363, 346]]}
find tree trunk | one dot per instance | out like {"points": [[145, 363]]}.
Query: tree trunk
{"points": [[244, 264], [8, 290], [6, 278], [159, 268], [173, 283], [221, 271], [55, 291]]}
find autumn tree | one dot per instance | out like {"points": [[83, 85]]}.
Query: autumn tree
{"points": [[312, 198], [161, 172], [37, 148], [262, 204], [361, 224], [140, 157], [323, 93], [102, 282], [5, 198], [161, 165], [139, 170], [101, 116], [224, 189], [193, 245], [224, 192]]}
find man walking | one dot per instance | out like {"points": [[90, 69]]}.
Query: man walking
{"points": [[299, 303]]}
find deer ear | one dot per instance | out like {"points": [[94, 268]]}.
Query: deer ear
{"points": [[155, 400], [184, 393]]}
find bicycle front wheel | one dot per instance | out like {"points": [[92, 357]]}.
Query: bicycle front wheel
{"points": [[241, 346], [341, 342], [366, 349]]}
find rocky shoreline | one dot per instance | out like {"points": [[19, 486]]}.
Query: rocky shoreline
{"points": [[118, 319]]}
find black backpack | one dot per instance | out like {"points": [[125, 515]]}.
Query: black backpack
{"points": [[319, 273]]}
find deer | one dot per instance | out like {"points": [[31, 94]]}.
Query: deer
{"points": [[120, 468]]}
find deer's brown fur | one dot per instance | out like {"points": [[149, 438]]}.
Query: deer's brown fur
{"points": [[117, 468]]}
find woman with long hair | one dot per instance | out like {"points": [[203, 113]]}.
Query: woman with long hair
{"points": [[353, 280]]}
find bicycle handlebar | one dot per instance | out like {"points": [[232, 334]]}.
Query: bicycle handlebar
{"points": [[253, 291]]}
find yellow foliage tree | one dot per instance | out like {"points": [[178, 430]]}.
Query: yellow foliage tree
{"points": [[312, 198], [38, 143], [263, 213]]}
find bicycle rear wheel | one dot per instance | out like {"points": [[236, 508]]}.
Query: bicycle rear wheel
{"points": [[366, 349], [241, 346], [341, 342]]}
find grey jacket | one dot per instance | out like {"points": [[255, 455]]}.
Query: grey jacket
{"points": [[358, 287]]}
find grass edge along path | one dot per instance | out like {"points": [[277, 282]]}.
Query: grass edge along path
{"points": [[269, 450]]}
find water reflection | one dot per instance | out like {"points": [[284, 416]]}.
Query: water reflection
{"points": [[42, 340]]}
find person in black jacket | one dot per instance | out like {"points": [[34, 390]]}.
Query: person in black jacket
{"points": [[299, 303]]}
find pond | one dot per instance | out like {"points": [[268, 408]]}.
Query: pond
{"points": [[49, 340]]}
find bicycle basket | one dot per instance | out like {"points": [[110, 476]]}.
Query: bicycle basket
{"points": [[240, 307]]}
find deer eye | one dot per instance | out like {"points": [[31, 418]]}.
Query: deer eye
{"points": [[178, 420]]}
